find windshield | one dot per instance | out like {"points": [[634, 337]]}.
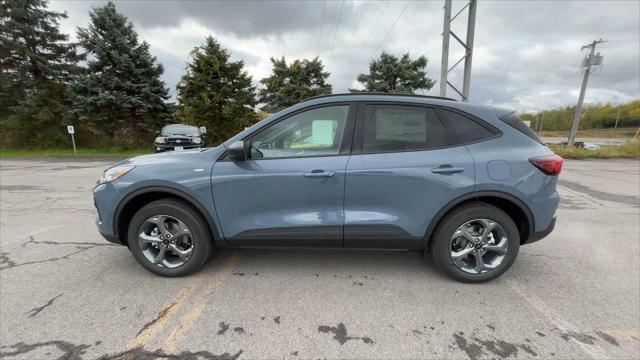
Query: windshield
{"points": [[179, 129]]}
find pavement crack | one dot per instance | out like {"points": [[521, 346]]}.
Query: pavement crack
{"points": [[141, 354], [32, 240], [36, 310], [159, 317], [340, 334], [7, 263], [223, 328], [70, 351]]}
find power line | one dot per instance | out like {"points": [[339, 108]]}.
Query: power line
{"points": [[391, 28], [336, 30], [375, 25], [324, 10], [359, 16]]}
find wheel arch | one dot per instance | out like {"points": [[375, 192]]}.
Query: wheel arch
{"points": [[141, 197], [511, 205]]}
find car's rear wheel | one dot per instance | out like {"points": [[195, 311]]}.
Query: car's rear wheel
{"points": [[170, 238], [475, 243]]}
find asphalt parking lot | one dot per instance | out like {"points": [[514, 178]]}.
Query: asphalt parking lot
{"points": [[65, 293]]}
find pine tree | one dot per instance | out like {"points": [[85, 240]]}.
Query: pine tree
{"points": [[36, 63], [289, 85], [392, 75], [122, 92], [215, 92]]}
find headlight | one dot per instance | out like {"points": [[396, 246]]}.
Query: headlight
{"points": [[160, 140], [197, 140], [115, 172]]}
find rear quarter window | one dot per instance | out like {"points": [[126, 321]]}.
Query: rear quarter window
{"points": [[466, 130], [514, 121]]}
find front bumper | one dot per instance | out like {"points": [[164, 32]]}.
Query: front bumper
{"points": [[105, 198], [172, 147], [106, 235], [538, 235]]}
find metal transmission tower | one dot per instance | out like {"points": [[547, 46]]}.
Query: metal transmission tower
{"points": [[468, 47], [591, 59]]}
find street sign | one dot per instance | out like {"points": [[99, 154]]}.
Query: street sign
{"points": [[72, 131]]}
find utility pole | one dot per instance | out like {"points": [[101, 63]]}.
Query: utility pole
{"points": [[591, 59], [541, 123], [467, 45], [617, 117]]}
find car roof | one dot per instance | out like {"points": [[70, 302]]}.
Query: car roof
{"points": [[390, 97], [364, 97]]}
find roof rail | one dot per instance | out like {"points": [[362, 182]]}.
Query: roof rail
{"points": [[380, 93]]}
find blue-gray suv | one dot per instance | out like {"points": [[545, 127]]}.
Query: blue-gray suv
{"points": [[467, 184]]}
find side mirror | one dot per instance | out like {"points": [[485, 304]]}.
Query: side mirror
{"points": [[203, 130], [236, 151]]}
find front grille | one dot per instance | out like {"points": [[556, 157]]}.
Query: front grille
{"points": [[178, 141]]}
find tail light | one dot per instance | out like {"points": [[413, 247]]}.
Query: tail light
{"points": [[550, 165]]}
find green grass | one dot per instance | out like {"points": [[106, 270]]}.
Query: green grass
{"points": [[630, 150], [109, 152], [594, 133]]}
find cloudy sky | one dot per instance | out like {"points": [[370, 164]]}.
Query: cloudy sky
{"points": [[526, 55]]}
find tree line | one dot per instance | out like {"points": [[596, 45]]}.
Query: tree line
{"points": [[597, 116], [108, 84]]}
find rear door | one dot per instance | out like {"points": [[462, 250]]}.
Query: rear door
{"points": [[405, 166]]}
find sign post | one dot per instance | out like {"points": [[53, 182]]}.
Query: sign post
{"points": [[71, 131]]}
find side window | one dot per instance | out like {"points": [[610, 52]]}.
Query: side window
{"points": [[313, 132], [464, 129], [389, 128]]}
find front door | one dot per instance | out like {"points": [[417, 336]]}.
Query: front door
{"points": [[290, 191]]}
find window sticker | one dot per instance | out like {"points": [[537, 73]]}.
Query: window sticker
{"points": [[322, 132]]}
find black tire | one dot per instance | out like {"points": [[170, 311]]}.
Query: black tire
{"points": [[441, 241], [199, 234]]}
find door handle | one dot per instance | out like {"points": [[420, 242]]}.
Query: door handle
{"points": [[319, 174], [447, 169]]}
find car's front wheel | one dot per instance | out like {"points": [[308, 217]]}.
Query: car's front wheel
{"points": [[475, 243], [170, 238]]}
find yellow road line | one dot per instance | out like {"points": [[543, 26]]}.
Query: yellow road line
{"points": [[623, 333], [187, 320], [154, 327]]}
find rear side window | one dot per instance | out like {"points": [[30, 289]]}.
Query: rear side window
{"points": [[465, 129], [390, 128], [514, 121]]}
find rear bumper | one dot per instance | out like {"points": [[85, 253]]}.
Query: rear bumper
{"points": [[538, 235]]}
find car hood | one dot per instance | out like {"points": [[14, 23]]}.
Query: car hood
{"points": [[176, 157]]}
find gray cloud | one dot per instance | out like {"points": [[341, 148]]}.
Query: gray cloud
{"points": [[527, 53]]}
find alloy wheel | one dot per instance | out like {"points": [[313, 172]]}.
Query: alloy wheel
{"points": [[478, 246], [165, 241]]}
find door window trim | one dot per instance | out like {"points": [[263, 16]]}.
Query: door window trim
{"points": [[450, 135], [359, 129], [347, 136]]}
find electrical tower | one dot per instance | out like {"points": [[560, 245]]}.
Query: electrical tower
{"points": [[468, 48], [591, 59]]}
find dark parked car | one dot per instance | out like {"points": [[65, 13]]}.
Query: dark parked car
{"points": [[179, 137], [467, 184]]}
